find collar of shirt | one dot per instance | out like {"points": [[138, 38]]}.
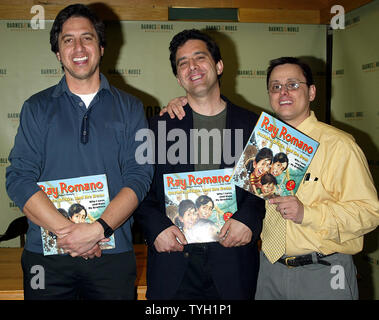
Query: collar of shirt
{"points": [[62, 86], [307, 125]]}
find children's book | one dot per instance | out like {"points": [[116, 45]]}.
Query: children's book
{"points": [[274, 160], [199, 203], [81, 199]]}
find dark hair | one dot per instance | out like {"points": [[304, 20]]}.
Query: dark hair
{"points": [[202, 200], [264, 153], [268, 178], [307, 71], [76, 208], [75, 10], [63, 212], [184, 205], [192, 34], [281, 157]]}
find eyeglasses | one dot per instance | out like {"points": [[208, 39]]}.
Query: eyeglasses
{"points": [[290, 86]]}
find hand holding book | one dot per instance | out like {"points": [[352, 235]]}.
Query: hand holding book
{"points": [[79, 238], [170, 239], [234, 234]]}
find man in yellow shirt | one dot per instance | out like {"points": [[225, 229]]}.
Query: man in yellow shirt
{"points": [[333, 208]]}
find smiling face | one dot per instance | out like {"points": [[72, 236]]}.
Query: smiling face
{"points": [[189, 218], [261, 167], [79, 50], [291, 106], [268, 188], [278, 168], [205, 210], [197, 72], [79, 217]]}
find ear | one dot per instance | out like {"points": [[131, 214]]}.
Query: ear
{"points": [[101, 51], [219, 67], [312, 92], [58, 56]]}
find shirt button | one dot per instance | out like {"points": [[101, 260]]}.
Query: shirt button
{"points": [[186, 254]]}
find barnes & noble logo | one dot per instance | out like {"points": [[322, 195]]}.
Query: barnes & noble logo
{"points": [[12, 205], [217, 27], [354, 115], [14, 116], [52, 72], [352, 22], [338, 73], [3, 162], [19, 26], [127, 72], [155, 27], [284, 29], [249, 73], [369, 67]]}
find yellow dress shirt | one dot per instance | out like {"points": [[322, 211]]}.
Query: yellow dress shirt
{"points": [[341, 205]]}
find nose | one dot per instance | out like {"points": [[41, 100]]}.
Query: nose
{"points": [[78, 45], [192, 64], [284, 89]]}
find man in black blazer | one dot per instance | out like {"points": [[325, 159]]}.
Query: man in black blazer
{"points": [[226, 269]]}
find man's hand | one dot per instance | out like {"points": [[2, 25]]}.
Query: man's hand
{"points": [[234, 234], [175, 108], [92, 253], [170, 239], [290, 208], [80, 238]]}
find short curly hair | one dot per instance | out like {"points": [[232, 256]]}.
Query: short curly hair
{"points": [[192, 34], [76, 10]]}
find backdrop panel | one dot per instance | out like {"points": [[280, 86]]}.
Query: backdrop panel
{"points": [[355, 109]]}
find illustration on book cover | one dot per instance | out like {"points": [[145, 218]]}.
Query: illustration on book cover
{"points": [[274, 160], [199, 203], [80, 199]]}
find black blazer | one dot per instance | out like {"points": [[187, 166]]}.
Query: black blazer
{"points": [[234, 270]]}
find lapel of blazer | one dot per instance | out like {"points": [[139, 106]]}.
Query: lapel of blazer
{"points": [[186, 124], [230, 125]]}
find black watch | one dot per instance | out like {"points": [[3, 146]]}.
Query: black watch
{"points": [[108, 231]]}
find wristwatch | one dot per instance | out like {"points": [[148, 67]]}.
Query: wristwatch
{"points": [[108, 231]]}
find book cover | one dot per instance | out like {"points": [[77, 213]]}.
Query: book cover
{"points": [[274, 160], [80, 199], [199, 203]]}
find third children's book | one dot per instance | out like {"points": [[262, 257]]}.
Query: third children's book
{"points": [[200, 202], [81, 199], [274, 160]]}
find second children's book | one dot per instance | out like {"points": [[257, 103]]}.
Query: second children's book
{"points": [[274, 160], [199, 203]]}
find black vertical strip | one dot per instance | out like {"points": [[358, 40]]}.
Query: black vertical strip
{"points": [[85, 128], [328, 80]]}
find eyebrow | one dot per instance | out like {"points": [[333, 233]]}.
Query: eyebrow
{"points": [[290, 79]]}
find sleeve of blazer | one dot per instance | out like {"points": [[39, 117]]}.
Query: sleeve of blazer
{"points": [[251, 209], [151, 212]]}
